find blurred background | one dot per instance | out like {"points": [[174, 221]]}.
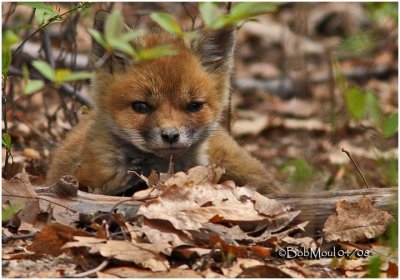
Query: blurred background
{"points": [[309, 80]]}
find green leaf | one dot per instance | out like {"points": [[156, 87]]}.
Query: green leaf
{"points": [[355, 101], [33, 86], [129, 36], [77, 76], [5, 61], [167, 22], [8, 212], [45, 69], [390, 126], [247, 10], [157, 51], [44, 16], [210, 13], [25, 73], [304, 171], [125, 47], [114, 25], [9, 38], [98, 37], [39, 6], [374, 109], [61, 74], [374, 267], [6, 141]]}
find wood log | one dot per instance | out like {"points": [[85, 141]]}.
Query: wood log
{"points": [[315, 207]]}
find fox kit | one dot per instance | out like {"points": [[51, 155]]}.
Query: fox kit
{"points": [[147, 111]]}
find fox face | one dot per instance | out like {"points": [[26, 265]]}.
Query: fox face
{"points": [[168, 105]]}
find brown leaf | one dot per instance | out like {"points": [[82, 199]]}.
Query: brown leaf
{"points": [[193, 199], [146, 255], [18, 191], [133, 272], [163, 233], [250, 123], [238, 251], [260, 251], [263, 271], [30, 212], [240, 265], [356, 221], [393, 270], [51, 239]]}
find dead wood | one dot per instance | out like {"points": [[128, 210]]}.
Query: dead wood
{"points": [[315, 207]]}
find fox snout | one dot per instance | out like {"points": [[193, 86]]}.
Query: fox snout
{"points": [[170, 135]]}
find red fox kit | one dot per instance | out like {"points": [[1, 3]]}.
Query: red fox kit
{"points": [[147, 111]]}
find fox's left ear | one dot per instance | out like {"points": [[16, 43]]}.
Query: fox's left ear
{"points": [[99, 57], [215, 48]]}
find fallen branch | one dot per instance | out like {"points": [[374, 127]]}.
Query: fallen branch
{"points": [[316, 207]]}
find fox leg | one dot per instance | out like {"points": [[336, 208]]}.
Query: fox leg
{"points": [[239, 165]]}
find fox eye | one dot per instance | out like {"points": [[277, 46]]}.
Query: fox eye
{"points": [[142, 107], [194, 106]]}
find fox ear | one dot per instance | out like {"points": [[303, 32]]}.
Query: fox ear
{"points": [[98, 56], [215, 49]]}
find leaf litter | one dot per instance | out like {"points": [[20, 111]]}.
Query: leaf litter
{"points": [[188, 225]]}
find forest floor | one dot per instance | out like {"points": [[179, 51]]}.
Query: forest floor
{"points": [[309, 80]]}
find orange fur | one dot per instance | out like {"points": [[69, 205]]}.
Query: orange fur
{"points": [[116, 138]]}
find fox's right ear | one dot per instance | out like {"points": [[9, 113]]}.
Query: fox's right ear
{"points": [[215, 48], [99, 58]]}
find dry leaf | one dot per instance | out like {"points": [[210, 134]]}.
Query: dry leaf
{"points": [[146, 255], [193, 199], [240, 265], [263, 271], [164, 234], [249, 123], [356, 221], [133, 272], [51, 239]]}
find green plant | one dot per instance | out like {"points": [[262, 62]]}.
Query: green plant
{"points": [[168, 23], [374, 267], [388, 168], [361, 104], [364, 104], [214, 18], [6, 141], [299, 171], [117, 36], [58, 76], [381, 10], [8, 212], [9, 39]]}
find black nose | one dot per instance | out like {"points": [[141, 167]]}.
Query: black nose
{"points": [[170, 135]]}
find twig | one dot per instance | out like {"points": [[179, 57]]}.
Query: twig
{"points": [[44, 199], [80, 5], [358, 169], [64, 88], [9, 13], [18, 237], [46, 43], [89, 272], [106, 226], [193, 18], [119, 203], [228, 8]]}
